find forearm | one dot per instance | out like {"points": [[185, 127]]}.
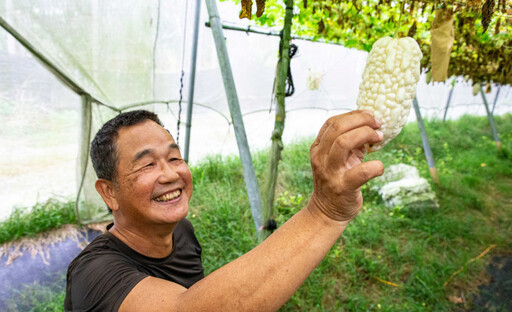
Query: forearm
{"points": [[266, 277]]}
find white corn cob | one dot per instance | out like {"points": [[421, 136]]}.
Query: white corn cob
{"points": [[389, 84]]}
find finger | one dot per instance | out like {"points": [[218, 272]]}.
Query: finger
{"points": [[362, 173], [340, 124], [332, 119], [347, 143]]}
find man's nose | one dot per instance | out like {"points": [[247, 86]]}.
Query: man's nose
{"points": [[168, 173]]}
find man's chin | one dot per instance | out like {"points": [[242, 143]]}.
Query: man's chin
{"points": [[173, 214]]}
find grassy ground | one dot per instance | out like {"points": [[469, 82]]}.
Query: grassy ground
{"points": [[387, 259], [42, 217], [416, 251], [37, 298]]}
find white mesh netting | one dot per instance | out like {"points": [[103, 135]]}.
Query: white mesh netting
{"points": [[126, 52]]}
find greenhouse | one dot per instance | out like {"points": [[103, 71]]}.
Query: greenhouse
{"points": [[244, 93]]}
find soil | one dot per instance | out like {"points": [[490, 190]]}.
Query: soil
{"points": [[497, 294]]}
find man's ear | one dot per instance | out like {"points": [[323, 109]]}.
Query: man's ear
{"points": [[107, 190]]}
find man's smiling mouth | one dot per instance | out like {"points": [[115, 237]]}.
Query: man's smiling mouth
{"points": [[169, 196]]}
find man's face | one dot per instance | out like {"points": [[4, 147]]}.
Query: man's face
{"points": [[154, 184]]}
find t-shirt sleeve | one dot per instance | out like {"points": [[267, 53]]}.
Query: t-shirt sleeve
{"points": [[105, 281]]}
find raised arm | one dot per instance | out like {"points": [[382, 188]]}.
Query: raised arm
{"points": [[267, 276]]}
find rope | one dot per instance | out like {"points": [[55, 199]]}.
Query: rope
{"points": [[470, 261], [179, 109], [387, 282], [182, 75], [290, 87]]}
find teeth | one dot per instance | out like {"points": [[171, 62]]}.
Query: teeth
{"points": [[168, 197]]}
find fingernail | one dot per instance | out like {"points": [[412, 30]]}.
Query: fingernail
{"points": [[368, 112], [380, 134], [379, 122]]}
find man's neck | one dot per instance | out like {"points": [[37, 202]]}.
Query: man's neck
{"points": [[150, 243]]}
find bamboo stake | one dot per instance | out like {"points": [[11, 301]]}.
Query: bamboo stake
{"points": [[280, 85], [85, 135]]}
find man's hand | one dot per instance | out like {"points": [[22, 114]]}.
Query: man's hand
{"points": [[338, 168]]}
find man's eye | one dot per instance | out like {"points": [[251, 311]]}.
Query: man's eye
{"points": [[174, 159], [148, 165]]}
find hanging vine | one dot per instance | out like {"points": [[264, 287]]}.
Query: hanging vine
{"points": [[482, 49]]}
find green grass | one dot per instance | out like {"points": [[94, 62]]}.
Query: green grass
{"points": [[418, 251], [39, 298], [25, 222]]}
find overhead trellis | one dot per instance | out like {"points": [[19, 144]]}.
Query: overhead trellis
{"points": [[482, 44]]}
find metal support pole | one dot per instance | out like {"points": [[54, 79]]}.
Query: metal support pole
{"points": [[426, 145], [236, 115], [190, 99], [491, 120], [495, 100], [448, 101]]}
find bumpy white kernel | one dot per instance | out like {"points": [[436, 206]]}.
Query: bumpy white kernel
{"points": [[389, 84]]}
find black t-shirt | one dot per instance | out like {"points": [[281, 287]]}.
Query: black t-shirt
{"points": [[103, 274]]}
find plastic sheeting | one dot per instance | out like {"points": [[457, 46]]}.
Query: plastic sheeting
{"points": [[128, 52]]}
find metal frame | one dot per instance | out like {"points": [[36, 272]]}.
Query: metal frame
{"points": [[236, 114], [491, 119], [426, 145]]}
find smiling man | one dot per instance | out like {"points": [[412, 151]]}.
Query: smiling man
{"points": [[150, 260]]}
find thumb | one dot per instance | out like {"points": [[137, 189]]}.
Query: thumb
{"points": [[362, 173]]}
